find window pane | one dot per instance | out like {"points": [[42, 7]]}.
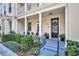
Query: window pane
{"points": [[4, 10], [9, 7], [29, 26]]}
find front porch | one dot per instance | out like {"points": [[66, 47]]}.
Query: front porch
{"points": [[39, 24]]}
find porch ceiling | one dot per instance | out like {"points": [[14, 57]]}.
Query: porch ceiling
{"points": [[55, 11]]}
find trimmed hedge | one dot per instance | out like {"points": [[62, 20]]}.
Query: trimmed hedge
{"points": [[13, 46], [12, 37], [8, 37]]}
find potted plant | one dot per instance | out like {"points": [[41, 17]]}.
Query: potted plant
{"points": [[46, 35], [62, 37], [0, 37]]}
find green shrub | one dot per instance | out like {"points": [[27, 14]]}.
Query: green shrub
{"points": [[73, 48], [8, 37], [70, 43], [36, 42], [18, 37], [13, 46], [12, 36], [12, 32], [26, 43], [36, 46], [70, 50], [35, 50], [0, 36]]}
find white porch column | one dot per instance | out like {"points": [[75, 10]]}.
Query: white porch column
{"points": [[40, 24], [16, 9], [16, 19], [66, 24], [25, 25], [25, 7], [16, 26], [1, 27], [6, 26]]}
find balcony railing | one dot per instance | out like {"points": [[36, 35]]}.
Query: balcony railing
{"points": [[20, 10], [30, 7]]}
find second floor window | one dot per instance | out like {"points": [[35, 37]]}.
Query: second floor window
{"points": [[37, 4], [28, 6], [4, 10], [9, 7], [0, 14]]}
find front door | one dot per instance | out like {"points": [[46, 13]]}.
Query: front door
{"points": [[54, 27]]}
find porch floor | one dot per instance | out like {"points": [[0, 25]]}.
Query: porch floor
{"points": [[50, 48]]}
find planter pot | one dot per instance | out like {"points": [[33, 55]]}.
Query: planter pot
{"points": [[66, 53], [47, 37], [62, 39], [34, 54]]}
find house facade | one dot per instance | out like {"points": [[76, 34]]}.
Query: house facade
{"points": [[40, 18]]}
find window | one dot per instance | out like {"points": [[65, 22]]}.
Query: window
{"points": [[1, 14], [9, 7], [29, 26], [10, 23], [37, 4], [28, 6], [4, 10], [37, 33]]}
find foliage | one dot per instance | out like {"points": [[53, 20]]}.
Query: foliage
{"points": [[62, 36], [73, 48], [70, 43], [0, 34], [12, 36], [36, 42], [18, 37], [36, 45], [12, 32], [26, 42], [35, 50], [13, 46], [8, 37]]}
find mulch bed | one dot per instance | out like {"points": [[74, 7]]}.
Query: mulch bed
{"points": [[29, 53]]}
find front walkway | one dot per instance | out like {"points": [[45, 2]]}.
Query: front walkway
{"points": [[4, 51], [50, 48]]}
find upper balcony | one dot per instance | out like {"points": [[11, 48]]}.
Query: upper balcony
{"points": [[29, 7], [20, 8]]}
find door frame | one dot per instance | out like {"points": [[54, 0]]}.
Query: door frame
{"points": [[51, 24]]}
